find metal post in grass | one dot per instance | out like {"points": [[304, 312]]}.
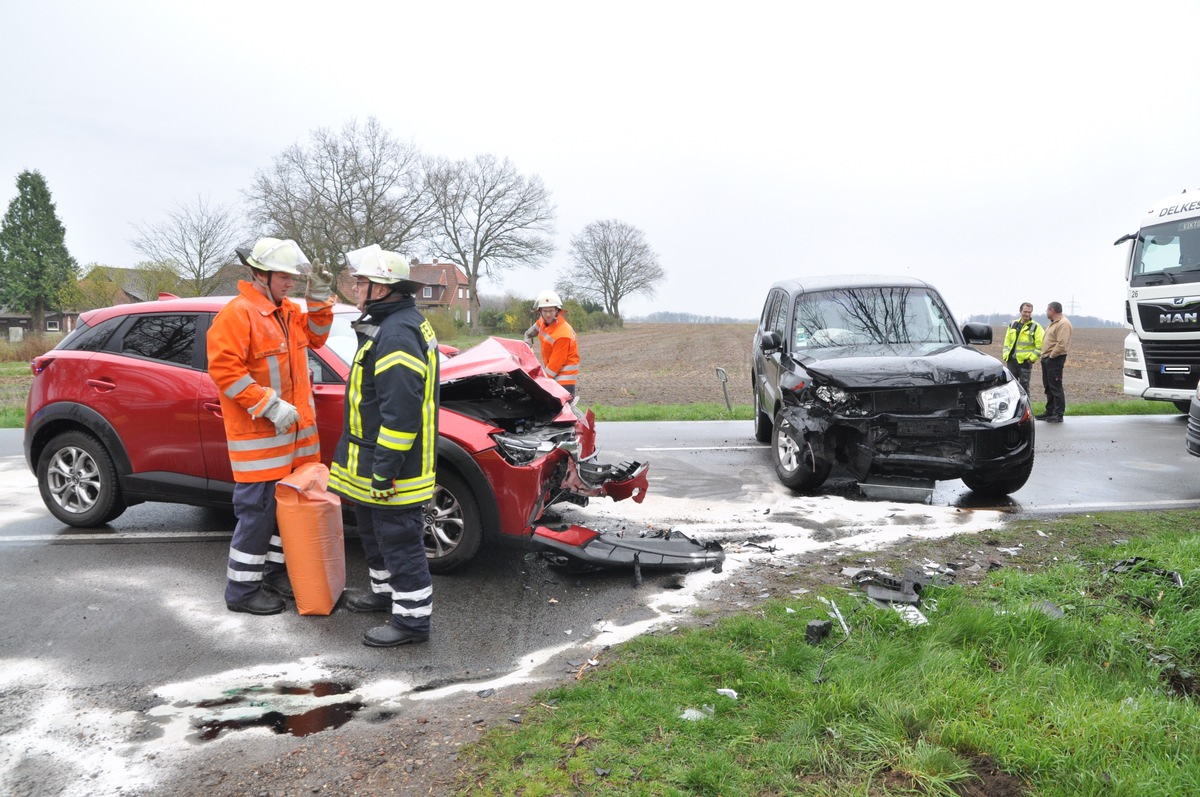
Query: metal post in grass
{"points": [[724, 380]]}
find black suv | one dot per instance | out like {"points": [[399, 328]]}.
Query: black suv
{"points": [[872, 373]]}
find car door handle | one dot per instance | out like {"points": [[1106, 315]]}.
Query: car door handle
{"points": [[103, 385], [213, 407]]}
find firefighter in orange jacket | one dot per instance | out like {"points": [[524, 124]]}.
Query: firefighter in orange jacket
{"points": [[560, 350], [258, 357]]}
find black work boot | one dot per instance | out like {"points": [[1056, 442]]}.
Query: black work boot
{"points": [[364, 602], [389, 636], [279, 583], [258, 603]]}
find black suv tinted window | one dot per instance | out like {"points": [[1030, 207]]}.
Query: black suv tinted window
{"points": [[778, 319], [170, 338]]}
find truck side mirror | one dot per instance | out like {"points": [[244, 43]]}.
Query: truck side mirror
{"points": [[770, 341]]}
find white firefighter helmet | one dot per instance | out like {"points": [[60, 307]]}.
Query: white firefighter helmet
{"points": [[273, 254], [547, 299], [381, 266]]}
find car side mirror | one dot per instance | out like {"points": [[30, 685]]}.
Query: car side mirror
{"points": [[770, 341], [977, 333]]}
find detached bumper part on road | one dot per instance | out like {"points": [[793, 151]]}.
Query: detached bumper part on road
{"points": [[583, 546]]}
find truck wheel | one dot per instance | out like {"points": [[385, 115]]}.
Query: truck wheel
{"points": [[762, 421], [453, 530], [994, 487], [78, 481], [800, 465]]}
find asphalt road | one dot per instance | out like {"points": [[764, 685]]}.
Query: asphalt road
{"points": [[116, 647]]}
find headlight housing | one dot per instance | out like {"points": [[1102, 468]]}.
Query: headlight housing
{"points": [[1000, 403], [832, 395]]}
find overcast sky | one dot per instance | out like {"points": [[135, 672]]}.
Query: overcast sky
{"points": [[996, 149]]}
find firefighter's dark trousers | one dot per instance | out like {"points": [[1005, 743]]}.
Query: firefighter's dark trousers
{"points": [[392, 540]]}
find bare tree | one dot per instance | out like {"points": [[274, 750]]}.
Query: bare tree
{"points": [[612, 260], [490, 218], [195, 241], [343, 191]]}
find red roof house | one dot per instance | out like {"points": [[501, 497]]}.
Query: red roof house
{"points": [[445, 289]]}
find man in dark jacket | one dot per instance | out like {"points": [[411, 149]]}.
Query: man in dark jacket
{"points": [[385, 459]]}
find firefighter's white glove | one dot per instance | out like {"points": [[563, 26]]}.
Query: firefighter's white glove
{"points": [[320, 283], [280, 413], [531, 334]]}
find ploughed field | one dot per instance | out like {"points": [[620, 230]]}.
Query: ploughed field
{"points": [[676, 364]]}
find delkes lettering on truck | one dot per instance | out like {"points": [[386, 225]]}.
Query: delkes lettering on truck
{"points": [[1171, 211]]}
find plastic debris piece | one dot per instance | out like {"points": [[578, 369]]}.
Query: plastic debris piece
{"points": [[694, 715], [1049, 609], [486, 692], [729, 693]]}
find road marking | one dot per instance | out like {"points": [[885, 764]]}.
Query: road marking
{"points": [[125, 536], [706, 448]]}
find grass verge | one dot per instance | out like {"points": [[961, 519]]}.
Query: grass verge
{"points": [[1062, 679]]}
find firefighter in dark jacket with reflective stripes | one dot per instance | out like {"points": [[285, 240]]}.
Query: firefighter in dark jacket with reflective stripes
{"points": [[385, 459]]}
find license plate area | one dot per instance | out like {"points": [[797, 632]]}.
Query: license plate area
{"points": [[942, 428]]}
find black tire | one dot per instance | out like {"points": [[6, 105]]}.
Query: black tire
{"points": [[762, 421], [78, 481], [1183, 406], [800, 465], [1010, 482], [453, 531]]}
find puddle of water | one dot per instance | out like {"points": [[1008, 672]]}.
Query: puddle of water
{"points": [[256, 706], [319, 719]]}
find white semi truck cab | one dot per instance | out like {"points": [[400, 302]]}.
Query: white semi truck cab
{"points": [[1162, 302]]}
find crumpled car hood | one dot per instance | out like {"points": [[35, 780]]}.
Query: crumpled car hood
{"points": [[904, 365], [511, 357]]}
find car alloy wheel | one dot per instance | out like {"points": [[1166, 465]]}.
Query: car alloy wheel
{"points": [[798, 465], [453, 530], [78, 481]]}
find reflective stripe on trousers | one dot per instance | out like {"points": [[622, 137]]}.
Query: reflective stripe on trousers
{"points": [[393, 543], [255, 546]]}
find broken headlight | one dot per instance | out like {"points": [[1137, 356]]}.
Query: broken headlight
{"points": [[523, 450], [832, 395], [1000, 403]]}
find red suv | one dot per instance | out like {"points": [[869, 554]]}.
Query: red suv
{"points": [[123, 411]]}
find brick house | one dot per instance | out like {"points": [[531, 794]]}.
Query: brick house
{"points": [[14, 327], [445, 289]]}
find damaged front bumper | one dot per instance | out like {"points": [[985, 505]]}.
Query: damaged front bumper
{"points": [[579, 546], [923, 446]]}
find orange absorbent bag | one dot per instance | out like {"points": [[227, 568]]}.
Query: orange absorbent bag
{"points": [[310, 525]]}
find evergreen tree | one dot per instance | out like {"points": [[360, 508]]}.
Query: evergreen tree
{"points": [[35, 266]]}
